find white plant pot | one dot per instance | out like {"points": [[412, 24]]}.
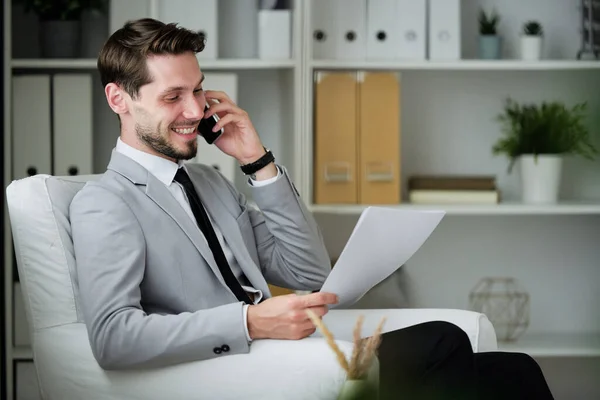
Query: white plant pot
{"points": [[540, 178], [355, 389], [531, 47]]}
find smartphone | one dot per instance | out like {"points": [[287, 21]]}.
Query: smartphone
{"points": [[205, 128]]}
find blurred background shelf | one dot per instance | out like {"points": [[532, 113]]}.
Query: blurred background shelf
{"points": [[22, 353], [90, 63], [555, 345], [459, 65], [477, 209]]}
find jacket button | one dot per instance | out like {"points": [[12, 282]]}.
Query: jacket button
{"points": [[225, 348], [217, 350]]}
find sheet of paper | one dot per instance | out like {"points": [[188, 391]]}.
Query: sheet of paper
{"points": [[381, 242]]}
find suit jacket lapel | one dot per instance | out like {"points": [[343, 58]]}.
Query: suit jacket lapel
{"points": [[157, 191], [161, 195]]}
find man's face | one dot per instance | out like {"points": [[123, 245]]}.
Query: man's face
{"points": [[167, 111]]}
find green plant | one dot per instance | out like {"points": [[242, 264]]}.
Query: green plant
{"points": [[63, 10], [100, 5], [549, 128], [533, 28], [488, 24]]}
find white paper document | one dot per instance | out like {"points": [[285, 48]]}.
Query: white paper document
{"points": [[381, 242]]}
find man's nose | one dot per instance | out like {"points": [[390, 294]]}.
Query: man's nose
{"points": [[193, 109]]}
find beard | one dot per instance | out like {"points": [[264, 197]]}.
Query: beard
{"points": [[158, 140]]}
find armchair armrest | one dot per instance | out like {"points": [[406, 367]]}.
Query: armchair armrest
{"points": [[273, 369], [476, 325]]}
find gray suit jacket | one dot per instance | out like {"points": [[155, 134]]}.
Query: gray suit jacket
{"points": [[150, 289]]}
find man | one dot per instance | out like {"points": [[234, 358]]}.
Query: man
{"points": [[172, 263]]}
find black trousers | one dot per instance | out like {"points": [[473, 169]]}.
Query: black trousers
{"points": [[435, 360]]}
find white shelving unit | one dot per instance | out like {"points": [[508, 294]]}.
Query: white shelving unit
{"points": [[460, 65], [494, 209], [447, 112], [447, 126], [556, 345], [209, 65]]}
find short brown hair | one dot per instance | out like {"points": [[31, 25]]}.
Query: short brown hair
{"points": [[122, 59]]}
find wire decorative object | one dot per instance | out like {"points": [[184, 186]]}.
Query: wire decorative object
{"points": [[505, 303]]}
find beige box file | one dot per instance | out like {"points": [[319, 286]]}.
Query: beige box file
{"points": [[379, 138], [335, 138], [357, 138]]}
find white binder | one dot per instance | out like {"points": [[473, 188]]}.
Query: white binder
{"points": [[121, 11], [72, 124], [444, 30], [197, 15], [210, 154], [350, 29], [274, 34], [238, 29], [323, 20], [382, 38], [21, 325], [31, 125], [411, 25]]}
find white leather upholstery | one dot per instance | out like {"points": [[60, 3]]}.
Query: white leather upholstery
{"points": [[66, 368]]}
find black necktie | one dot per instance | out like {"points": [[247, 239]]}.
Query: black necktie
{"points": [[213, 242]]}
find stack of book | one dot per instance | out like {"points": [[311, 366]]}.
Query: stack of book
{"points": [[453, 189]]}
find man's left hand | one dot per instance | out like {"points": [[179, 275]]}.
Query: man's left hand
{"points": [[239, 138]]}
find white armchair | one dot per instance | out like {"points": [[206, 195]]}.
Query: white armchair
{"points": [[66, 369]]}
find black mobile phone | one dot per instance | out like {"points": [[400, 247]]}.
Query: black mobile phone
{"points": [[205, 128]]}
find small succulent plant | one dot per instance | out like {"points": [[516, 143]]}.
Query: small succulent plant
{"points": [[533, 28], [488, 24]]}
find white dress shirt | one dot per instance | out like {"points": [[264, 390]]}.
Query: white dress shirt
{"points": [[165, 170]]}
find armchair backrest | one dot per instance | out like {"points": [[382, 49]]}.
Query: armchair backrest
{"points": [[38, 208]]}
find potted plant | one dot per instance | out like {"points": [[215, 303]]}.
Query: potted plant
{"points": [[490, 43], [531, 41], [59, 26], [538, 137], [94, 27], [358, 368]]}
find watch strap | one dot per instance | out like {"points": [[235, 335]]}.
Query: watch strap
{"points": [[252, 168]]}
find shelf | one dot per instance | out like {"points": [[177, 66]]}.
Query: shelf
{"points": [[484, 209], [459, 65], [90, 63], [555, 345], [22, 353]]}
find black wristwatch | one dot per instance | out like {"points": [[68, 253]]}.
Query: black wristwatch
{"points": [[252, 168]]}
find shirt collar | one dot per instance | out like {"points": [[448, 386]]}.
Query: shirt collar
{"points": [[164, 170]]}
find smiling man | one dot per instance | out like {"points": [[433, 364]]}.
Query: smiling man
{"points": [[172, 264]]}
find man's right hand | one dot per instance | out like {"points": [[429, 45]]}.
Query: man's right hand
{"points": [[284, 317]]}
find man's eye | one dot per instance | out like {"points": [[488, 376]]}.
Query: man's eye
{"points": [[198, 90], [172, 98]]}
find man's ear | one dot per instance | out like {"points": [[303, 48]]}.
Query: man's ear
{"points": [[116, 97]]}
